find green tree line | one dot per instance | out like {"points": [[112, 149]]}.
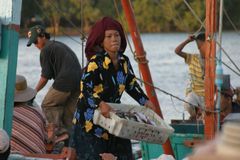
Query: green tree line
{"points": [[151, 15]]}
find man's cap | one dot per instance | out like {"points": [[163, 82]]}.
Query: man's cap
{"points": [[34, 32]]}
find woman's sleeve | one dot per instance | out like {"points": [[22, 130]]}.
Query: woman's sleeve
{"points": [[133, 88], [91, 84]]}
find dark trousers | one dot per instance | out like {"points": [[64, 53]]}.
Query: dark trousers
{"points": [[88, 146]]}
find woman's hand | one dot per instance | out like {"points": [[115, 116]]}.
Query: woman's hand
{"points": [[105, 109], [150, 105], [108, 156]]}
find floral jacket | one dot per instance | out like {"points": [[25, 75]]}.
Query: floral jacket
{"points": [[102, 82]]}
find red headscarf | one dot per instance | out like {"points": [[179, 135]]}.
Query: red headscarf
{"points": [[97, 35]]}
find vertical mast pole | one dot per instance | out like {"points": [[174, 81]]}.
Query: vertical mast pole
{"points": [[219, 69], [210, 128], [143, 63]]}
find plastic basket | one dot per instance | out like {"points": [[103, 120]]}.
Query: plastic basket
{"points": [[134, 130]]}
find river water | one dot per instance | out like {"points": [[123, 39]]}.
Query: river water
{"points": [[169, 72]]}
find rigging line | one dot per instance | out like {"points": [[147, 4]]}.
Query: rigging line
{"points": [[194, 13], [46, 16], [230, 20], [71, 37], [185, 24], [167, 93], [182, 112], [197, 17], [82, 38], [227, 55], [200, 28], [228, 67], [179, 18], [69, 21], [125, 33], [175, 106], [118, 14], [203, 26]]}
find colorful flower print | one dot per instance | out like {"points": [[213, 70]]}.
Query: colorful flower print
{"points": [[91, 102], [88, 126], [98, 132], [106, 63], [120, 77], [91, 67], [88, 114]]}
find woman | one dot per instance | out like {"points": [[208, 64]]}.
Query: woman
{"points": [[107, 74]]}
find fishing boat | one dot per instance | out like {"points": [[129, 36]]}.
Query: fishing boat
{"points": [[187, 134]]}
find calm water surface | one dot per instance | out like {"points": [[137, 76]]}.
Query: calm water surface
{"points": [[169, 71]]}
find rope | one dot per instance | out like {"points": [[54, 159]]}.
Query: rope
{"points": [[228, 67], [46, 16], [71, 135], [175, 106], [228, 58], [83, 37], [179, 18], [167, 93], [185, 24], [118, 14], [176, 97], [128, 41], [229, 19], [196, 16], [141, 58], [69, 21], [137, 58], [200, 28]]}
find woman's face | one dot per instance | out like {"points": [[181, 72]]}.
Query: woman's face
{"points": [[112, 41]]}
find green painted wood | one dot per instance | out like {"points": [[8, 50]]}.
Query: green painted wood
{"points": [[152, 151], [10, 12], [182, 133], [8, 63]]}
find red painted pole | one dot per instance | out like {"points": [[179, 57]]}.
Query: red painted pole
{"points": [[143, 64], [210, 123]]}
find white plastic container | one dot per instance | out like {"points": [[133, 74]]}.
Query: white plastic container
{"points": [[134, 130]]}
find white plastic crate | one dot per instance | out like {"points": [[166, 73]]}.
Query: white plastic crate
{"points": [[134, 130]]}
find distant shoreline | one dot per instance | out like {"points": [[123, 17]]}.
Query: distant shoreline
{"points": [[62, 32], [73, 32]]}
